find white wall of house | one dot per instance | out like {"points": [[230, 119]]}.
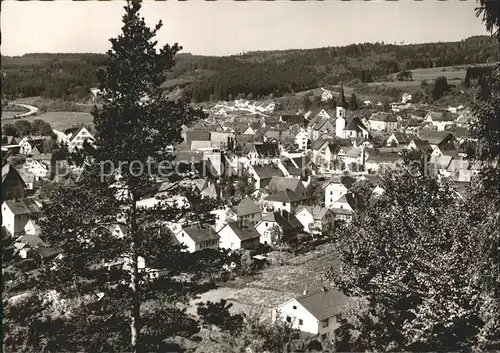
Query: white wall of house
{"points": [[333, 192], [13, 223], [229, 239], [186, 240], [264, 229], [441, 125], [281, 206], [305, 218], [294, 313], [301, 139], [301, 319]]}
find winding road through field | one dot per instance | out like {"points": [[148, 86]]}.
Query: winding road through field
{"points": [[32, 110]]}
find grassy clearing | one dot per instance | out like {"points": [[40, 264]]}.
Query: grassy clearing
{"points": [[273, 286], [62, 120]]}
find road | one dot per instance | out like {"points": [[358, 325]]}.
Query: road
{"points": [[32, 110]]}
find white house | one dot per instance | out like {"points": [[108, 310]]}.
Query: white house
{"points": [[31, 145], [439, 120], [197, 238], [17, 213], [382, 121], [314, 313], [315, 220], [406, 98], [285, 200], [301, 138], [287, 224], [247, 210], [336, 188], [235, 236], [39, 169], [32, 228], [326, 95], [75, 137]]}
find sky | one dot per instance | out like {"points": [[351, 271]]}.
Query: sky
{"points": [[226, 27]]}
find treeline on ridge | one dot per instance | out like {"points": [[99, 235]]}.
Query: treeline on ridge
{"points": [[70, 76]]}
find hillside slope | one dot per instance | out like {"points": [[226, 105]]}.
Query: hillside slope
{"points": [[69, 76]]}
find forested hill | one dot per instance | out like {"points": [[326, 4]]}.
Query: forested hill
{"points": [[69, 76]]}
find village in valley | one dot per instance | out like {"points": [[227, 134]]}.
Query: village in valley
{"points": [[284, 181], [299, 172]]}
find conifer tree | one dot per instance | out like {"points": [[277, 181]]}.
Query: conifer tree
{"points": [[134, 310]]}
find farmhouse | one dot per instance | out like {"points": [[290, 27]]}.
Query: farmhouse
{"points": [[314, 313], [235, 236]]}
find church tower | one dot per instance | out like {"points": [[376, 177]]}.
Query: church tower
{"points": [[341, 104], [340, 121]]}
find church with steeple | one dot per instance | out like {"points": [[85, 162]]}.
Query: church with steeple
{"points": [[340, 121]]}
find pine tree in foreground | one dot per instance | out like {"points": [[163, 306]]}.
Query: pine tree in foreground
{"points": [[107, 306]]}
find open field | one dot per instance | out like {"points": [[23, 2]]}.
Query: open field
{"points": [[9, 115], [272, 286], [61, 120]]}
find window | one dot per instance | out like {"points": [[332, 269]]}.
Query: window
{"points": [[267, 224], [284, 204], [331, 192], [295, 307], [341, 206], [324, 323], [231, 245], [288, 319], [301, 322]]}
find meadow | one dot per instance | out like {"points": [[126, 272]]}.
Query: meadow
{"points": [[61, 120]]}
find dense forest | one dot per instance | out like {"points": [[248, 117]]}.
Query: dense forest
{"points": [[259, 74]]}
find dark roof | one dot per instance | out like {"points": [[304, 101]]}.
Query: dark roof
{"points": [[304, 162], [448, 149], [187, 156], [441, 116], [316, 211], [22, 207], [354, 124], [244, 233], [435, 137], [374, 179], [285, 196], [345, 180], [247, 138], [383, 116], [246, 207], [323, 304], [285, 220], [402, 138], [343, 211], [422, 145], [197, 135], [294, 119], [267, 171], [384, 157], [412, 122], [267, 149], [8, 169], [284, 183], [349, 199], [199, 234]]}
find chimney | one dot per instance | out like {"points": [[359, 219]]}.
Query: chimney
{"points": [[305, 292]]}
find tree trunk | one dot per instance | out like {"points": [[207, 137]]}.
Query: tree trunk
{"points": [[134, 281]]}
